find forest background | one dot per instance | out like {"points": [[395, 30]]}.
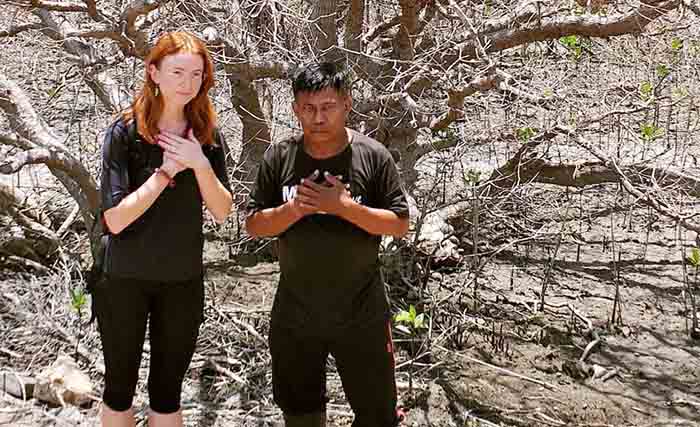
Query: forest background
{"points": [[549, 149]]}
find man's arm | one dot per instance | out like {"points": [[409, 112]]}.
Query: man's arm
{"points": [[335, 199], [375, 221], [272, 221]]}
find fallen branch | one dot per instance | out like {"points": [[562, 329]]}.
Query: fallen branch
{"points": [[229, 374], [501, 370], [693, 6], [13, 31]]}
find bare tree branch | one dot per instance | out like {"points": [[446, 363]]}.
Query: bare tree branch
{"points": [[134, 41], [25, 121], [52, 158], [495, 79], [96, 34], [455, 99], [137, 8], [381, 28], [554, 27], [56, 6], [13, 31], [693, 6], [592, 173], [93, 12], [275, 70], [14, 141], [105, 88]]}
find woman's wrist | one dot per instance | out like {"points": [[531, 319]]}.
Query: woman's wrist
{"points": [[168, 171], [167, 174], [202, 164]]}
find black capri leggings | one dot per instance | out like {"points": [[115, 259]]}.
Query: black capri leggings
{"points": [[123, 307]]}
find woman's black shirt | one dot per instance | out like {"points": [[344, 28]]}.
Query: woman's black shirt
{"points": [[166, 242]]}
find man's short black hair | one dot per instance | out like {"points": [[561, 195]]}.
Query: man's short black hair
{"points": [[319, 76]]}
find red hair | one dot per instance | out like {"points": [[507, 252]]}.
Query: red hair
{"points": [[147, 108]]}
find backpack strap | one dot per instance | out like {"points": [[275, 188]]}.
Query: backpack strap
{"points": [[96, 271]]}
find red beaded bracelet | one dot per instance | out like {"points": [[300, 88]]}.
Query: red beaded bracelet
{"points": [[171, 181]]}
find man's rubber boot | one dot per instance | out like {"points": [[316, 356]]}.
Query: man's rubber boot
{"points": [[316, 419]]}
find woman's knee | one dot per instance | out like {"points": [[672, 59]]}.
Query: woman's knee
{"points": [[165, 399], [117, 399]]}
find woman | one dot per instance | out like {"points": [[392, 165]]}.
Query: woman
{"points": [[162, 159]]}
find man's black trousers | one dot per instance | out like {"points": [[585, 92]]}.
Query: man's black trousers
{"points": [[364, 357]]}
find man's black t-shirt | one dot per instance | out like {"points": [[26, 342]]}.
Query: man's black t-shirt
{"points": [[166, 242], [330, 275]]}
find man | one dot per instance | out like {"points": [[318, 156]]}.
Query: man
{"points": [[329, 196]]}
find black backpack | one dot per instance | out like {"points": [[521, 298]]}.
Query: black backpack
{"points": [[95, 273]]}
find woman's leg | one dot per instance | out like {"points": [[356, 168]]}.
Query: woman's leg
{"points": [[121, 307], [165, 420], [177, 313], [112, 418]]}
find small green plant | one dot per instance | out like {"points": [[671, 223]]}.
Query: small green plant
{"points": [[525, 134], [409, 321], [78, 300], [694, 258], [574, 44], [446, 137], [488, 7], [472, 177], [662, 71], [694, 49], [650, 132], [679, 92], [676, 44], [646, 90]]}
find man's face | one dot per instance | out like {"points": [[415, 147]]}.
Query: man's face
{"points": [[322, 114], [179, 77]]}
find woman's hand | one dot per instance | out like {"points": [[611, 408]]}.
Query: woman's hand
{"points": [[186, 151], [171, 166]]}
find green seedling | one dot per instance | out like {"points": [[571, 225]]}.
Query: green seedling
{"points": [[650, 132], [78, 300], [646, 90], [472, 177], [676, 44], [409, 321], [662, 71], [525, 134]]}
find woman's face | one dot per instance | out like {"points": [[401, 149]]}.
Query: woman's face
{"points": [[179, 77]]}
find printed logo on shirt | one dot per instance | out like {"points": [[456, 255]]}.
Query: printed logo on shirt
{"points": [[290, 191]]}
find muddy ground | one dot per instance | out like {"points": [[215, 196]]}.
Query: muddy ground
{"points": [[502, 362]]}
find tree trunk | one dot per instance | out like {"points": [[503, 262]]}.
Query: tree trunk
{"points": [[256, 132], [22, 232], [326, 30], [353, 25]]}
